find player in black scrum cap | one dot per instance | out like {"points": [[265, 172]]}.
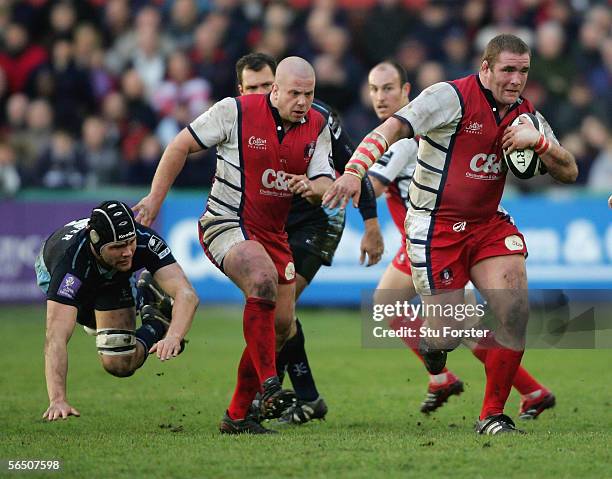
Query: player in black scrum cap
{"points": [[86, 270]]}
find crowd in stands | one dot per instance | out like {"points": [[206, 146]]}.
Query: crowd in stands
{"points": [[91, 91]]}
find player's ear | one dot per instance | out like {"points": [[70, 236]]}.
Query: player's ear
{"points": [[484, 66], [240, 90], [407, 86]]}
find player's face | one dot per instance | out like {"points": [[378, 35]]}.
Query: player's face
{"points": [[508, 77], [119, 255], [386, 92], [256, 82], [293, 97]]}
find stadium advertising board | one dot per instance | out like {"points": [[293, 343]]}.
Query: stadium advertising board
{"points": [[569, 241], [24, 226]]}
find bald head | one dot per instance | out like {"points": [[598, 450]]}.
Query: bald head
{"points": [[294, 67], [293, 89]]}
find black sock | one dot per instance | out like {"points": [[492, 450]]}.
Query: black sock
{"points": [[149, 333], [282, 359], [298, 367]]}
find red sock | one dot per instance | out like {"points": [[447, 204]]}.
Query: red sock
{"points": [[413, 343], [246, 387], [500, 366], [258, 327], [524, 382]]}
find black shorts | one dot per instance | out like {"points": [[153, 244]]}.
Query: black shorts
{"points": [[112, 296], [314, 242]]}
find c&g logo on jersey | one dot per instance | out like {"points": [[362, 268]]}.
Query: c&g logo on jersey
{"points": [[275, 182], [485, 166]]}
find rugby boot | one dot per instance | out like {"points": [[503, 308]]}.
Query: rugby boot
{"points": [[496, 424], [275, 399], [304, 411], [149, 292], [437, 395], [531, 408], [248, 425]]}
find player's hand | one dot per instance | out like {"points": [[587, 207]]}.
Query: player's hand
{"points": [[342, 190], [372, 243], [60, 410], [167, 348], [146, 210], [299, 185], [520, 137]]}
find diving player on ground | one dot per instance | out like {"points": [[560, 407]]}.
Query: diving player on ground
{"points": [[86, 270]]}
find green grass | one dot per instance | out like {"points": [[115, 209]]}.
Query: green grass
{"points": [[373, 429]]}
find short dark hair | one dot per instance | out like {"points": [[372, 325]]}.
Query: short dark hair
{"points": [[504, 43], [255, 62], [401, 71]]}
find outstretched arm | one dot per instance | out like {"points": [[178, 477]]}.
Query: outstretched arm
{"points": [[61, 320], [173, 281], [170, 165], [371, 148]]}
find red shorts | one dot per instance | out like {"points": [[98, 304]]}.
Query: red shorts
{"points": [[401, 262], [442, 260], [217, 237]]}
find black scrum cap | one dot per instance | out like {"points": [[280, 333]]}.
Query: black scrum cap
{"points": [[111, 221]]}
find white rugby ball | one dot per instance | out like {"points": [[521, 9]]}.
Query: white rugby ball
{"points": [[525, 163]]}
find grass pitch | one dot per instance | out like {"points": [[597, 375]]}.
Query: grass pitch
{"points": [[162, 422]]}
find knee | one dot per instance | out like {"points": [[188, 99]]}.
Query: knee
{"points": [[264, 286], [120, 368]]}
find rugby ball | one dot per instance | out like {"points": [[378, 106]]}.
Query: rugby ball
{"points": [[525, 163]]}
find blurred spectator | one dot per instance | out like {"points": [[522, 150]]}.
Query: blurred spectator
{"points": [[143, 48], [183, 21], [361, 119], [87, 42], [138, 109], [19, 59], [31, 141], [411, 54], [141, 170], [586, 55], [16, 112], [433, 25], [171, 125], [429, 73], [551, 67], [99, 155], [337, 71], [211, 57], [274, 42], [62, 22], [457, 59], [386, 25], [181, 86], [61, 165], [66, 86], [9, 178], [600, 177], [102, 82], [116, 21]]}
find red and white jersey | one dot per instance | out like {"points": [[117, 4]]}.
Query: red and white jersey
{"points": [[460, 174], [254, 153], [395, 169]]}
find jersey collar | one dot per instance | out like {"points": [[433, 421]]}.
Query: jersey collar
{"points": [[280, 131], [488, 94]]}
